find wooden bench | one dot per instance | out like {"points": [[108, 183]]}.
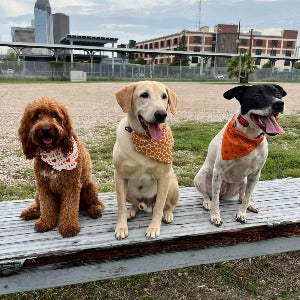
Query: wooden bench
{"points": [[30, 260]]}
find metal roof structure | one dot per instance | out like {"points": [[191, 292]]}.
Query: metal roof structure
{"points": [[17, 45], [86, 40]]}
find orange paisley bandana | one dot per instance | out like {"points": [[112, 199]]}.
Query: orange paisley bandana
{"points": [[236, 144], [157, 150]]}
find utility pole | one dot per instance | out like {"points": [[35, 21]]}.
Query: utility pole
{"points": [[239, 51], [199, 11], [251, 38]]}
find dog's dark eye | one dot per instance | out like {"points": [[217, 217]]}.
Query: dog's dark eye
{"points": [[164, 96], [55, 115], [36, 116], [144, 95]]}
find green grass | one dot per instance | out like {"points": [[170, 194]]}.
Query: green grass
{"points": [[191, 139]]}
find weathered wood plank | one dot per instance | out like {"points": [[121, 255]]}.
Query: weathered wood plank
{"points": [[24, 252]]}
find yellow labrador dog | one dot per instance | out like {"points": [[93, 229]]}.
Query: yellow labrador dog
{"points": [[142, 156]]}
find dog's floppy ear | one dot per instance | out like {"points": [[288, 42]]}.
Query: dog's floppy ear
{"points": [[236, 92], [124, 97], [280, 89], [66, 143], [29, 148], [172, 100]]}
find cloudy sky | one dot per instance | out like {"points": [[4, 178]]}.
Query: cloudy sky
{"points": [[144, 19]]}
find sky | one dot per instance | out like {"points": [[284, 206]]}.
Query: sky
{"points": [[145, 19]]}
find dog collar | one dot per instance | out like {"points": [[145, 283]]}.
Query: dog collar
{"points": [[243, 121], [157, 150], [58, 161]]}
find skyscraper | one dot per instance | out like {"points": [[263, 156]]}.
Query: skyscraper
{"points": [[61, 26], [43, 22]]}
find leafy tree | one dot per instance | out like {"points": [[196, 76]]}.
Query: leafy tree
{"points": [[297, 65], [267, 65], [11, 56], [138, 61], [247, 66], [181, 47]]}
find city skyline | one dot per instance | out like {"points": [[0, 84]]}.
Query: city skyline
{"points": [[140, 21]]}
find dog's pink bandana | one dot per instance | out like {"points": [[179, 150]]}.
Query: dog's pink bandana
{"points": [[58, 161]]}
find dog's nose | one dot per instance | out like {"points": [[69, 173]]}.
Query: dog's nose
{"points": [[46, 129], [160, 116], [278, 105]]}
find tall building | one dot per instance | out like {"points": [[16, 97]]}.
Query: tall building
{"points": [[224, 40], [43, 22], [21, 34], [61, 26]]}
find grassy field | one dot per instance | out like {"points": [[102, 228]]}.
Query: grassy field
{"points": [[273, 277]]}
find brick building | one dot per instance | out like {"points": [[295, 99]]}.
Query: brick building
{"points": [[223, 39]]}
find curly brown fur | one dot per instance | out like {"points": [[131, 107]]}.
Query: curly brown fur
{"points": [[59, 194]]}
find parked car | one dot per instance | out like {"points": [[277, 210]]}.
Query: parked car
{"points": [[8, 71], [219, 76]]}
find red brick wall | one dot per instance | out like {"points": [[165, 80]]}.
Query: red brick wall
{"points": [[290, 34]]}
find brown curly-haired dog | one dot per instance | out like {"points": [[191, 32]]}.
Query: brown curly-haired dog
{"points": [[64, 187]]}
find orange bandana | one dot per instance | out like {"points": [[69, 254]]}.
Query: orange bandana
{"points": [[236, 144], [157, 150]]}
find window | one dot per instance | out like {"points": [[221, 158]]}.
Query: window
{"points": [[274, 43], [156, 45], [243, 42], [258, 43], [196, 49], [175, 42], [197, 39], [288, 53], [168, 42], [150, 46], [194, 59], [161, 60], [273, 52], [287, 63], [257, 61], [146, 47], [258, 51], [289, 44], [162, 43]]}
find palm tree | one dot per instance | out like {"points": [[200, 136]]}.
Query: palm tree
{"points": [[242, 65]]}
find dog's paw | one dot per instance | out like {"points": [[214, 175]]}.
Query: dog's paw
{"points": [[69, 230], [95, 211], [130, 213], [206, 205], [253, 207], [241, 217], [121, 232], [215, 219], [168, 217], [152, 232], [42, 226], [30, 214]]}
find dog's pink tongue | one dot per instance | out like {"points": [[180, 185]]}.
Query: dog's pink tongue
{"points": [[155, 132], [47, 141], [272, 126]]}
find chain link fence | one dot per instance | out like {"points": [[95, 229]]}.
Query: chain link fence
{"points": [[40, 70]]}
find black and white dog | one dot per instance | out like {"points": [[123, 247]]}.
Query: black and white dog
{"points": [[238, 152]]}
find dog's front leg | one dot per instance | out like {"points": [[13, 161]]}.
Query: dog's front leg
{"points": [[252, 179], [69, 211], [215, 217], [49, 211], [121, 231], [163, 184]]}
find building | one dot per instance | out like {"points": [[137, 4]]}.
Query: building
{"points": [[61, 26], [43, 22], [224, 39], [23, 34]]}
